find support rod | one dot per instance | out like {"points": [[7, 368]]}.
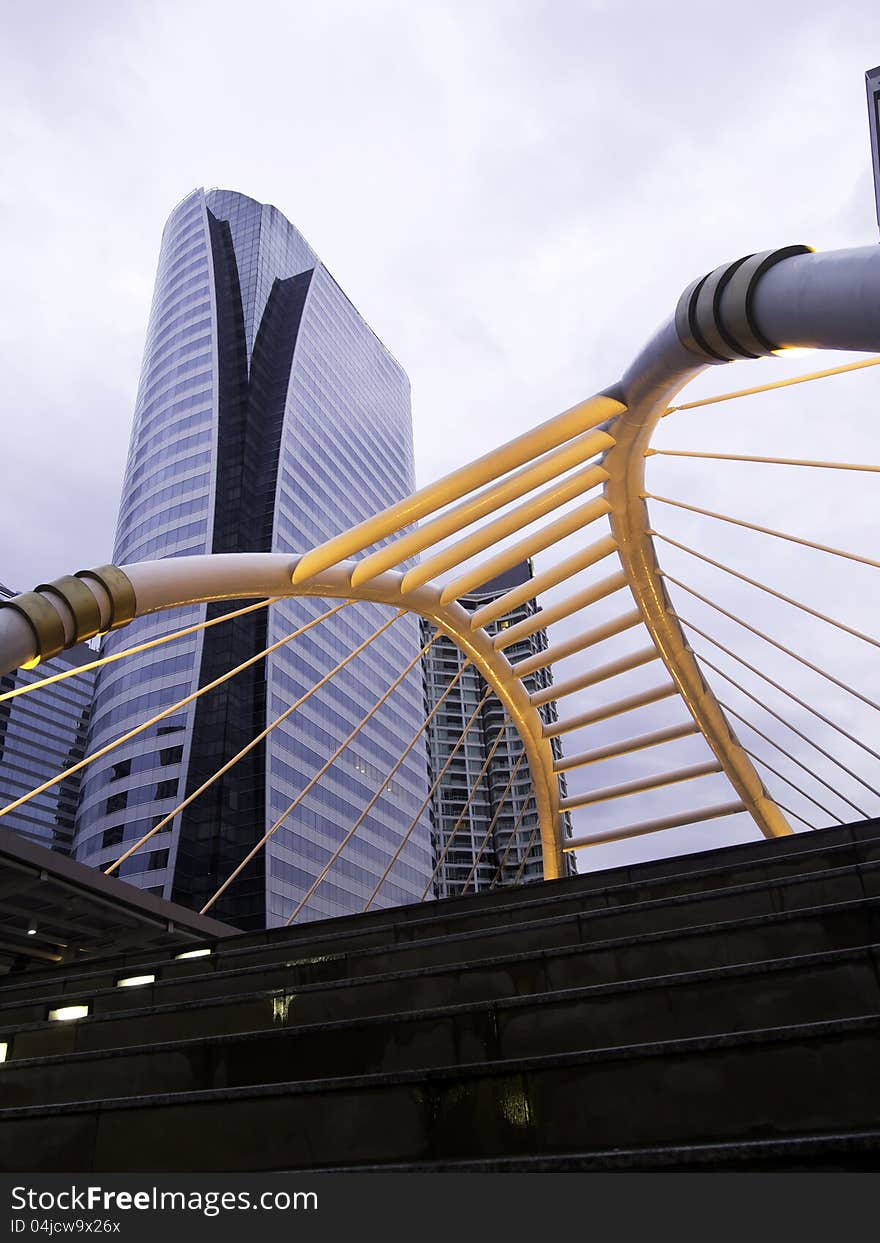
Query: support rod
{"points": [[616, 749], [551, 613], [608, 711], [508, 524], [656, 826], [641, 785]]}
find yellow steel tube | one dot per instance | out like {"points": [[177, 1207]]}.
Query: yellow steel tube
{"points": [[551, 613], [543, 582], [493, 532], [580, 418], [527, 547]]}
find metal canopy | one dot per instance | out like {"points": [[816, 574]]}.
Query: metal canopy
{"points": [[77, 911]]}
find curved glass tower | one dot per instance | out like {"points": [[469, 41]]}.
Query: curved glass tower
{"points": [[269, 417]]}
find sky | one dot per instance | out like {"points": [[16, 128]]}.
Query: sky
{"points": [[513, 194]]}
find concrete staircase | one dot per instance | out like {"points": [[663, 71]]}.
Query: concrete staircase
{"points": [[717, 1011]]}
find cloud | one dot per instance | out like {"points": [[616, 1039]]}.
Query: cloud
{"points": [[513, 194]]}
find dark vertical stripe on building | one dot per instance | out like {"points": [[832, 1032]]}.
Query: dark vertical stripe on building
{"points": [[225, 822]]}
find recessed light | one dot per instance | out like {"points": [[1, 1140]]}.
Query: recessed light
{"points": [[65, 1013], [132, 981]]}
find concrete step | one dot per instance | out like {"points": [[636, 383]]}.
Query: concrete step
{"points": [[730, 1089], [785, 992], [849, 1151], [596, 918], [357, 989], [748, 868]]}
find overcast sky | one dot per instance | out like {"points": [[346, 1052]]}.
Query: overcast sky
{"points": [[513, 194]]}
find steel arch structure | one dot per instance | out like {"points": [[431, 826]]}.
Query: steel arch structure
{"points": [[748, 309]]}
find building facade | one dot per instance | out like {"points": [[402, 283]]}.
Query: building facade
{"points": [[484, 820], [41, 734], [268, 418]]}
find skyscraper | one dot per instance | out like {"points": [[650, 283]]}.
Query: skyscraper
{"points": [[41, 734], [483, 814], [269, 417]]}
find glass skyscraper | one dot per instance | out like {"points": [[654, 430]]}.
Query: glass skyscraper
{"points": [[41, 734], [269, 417], [484, 827]]}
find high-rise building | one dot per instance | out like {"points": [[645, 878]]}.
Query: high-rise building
{"points": [[484, 819], [41, 734], [268, 418]]}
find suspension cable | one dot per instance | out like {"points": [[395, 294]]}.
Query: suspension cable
{"points": [[776, 773], [788, 811], [525, 857], [181, 703], [493, 822], [313, 781], [157, 828], [764, 461], [379, 791], [778, 686], [502, 733], [133, 651], [794, 760], [426, 800], [766, 388], [808, 664], [529, 799], [751, 526], [794, 729], [753, 582]]}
